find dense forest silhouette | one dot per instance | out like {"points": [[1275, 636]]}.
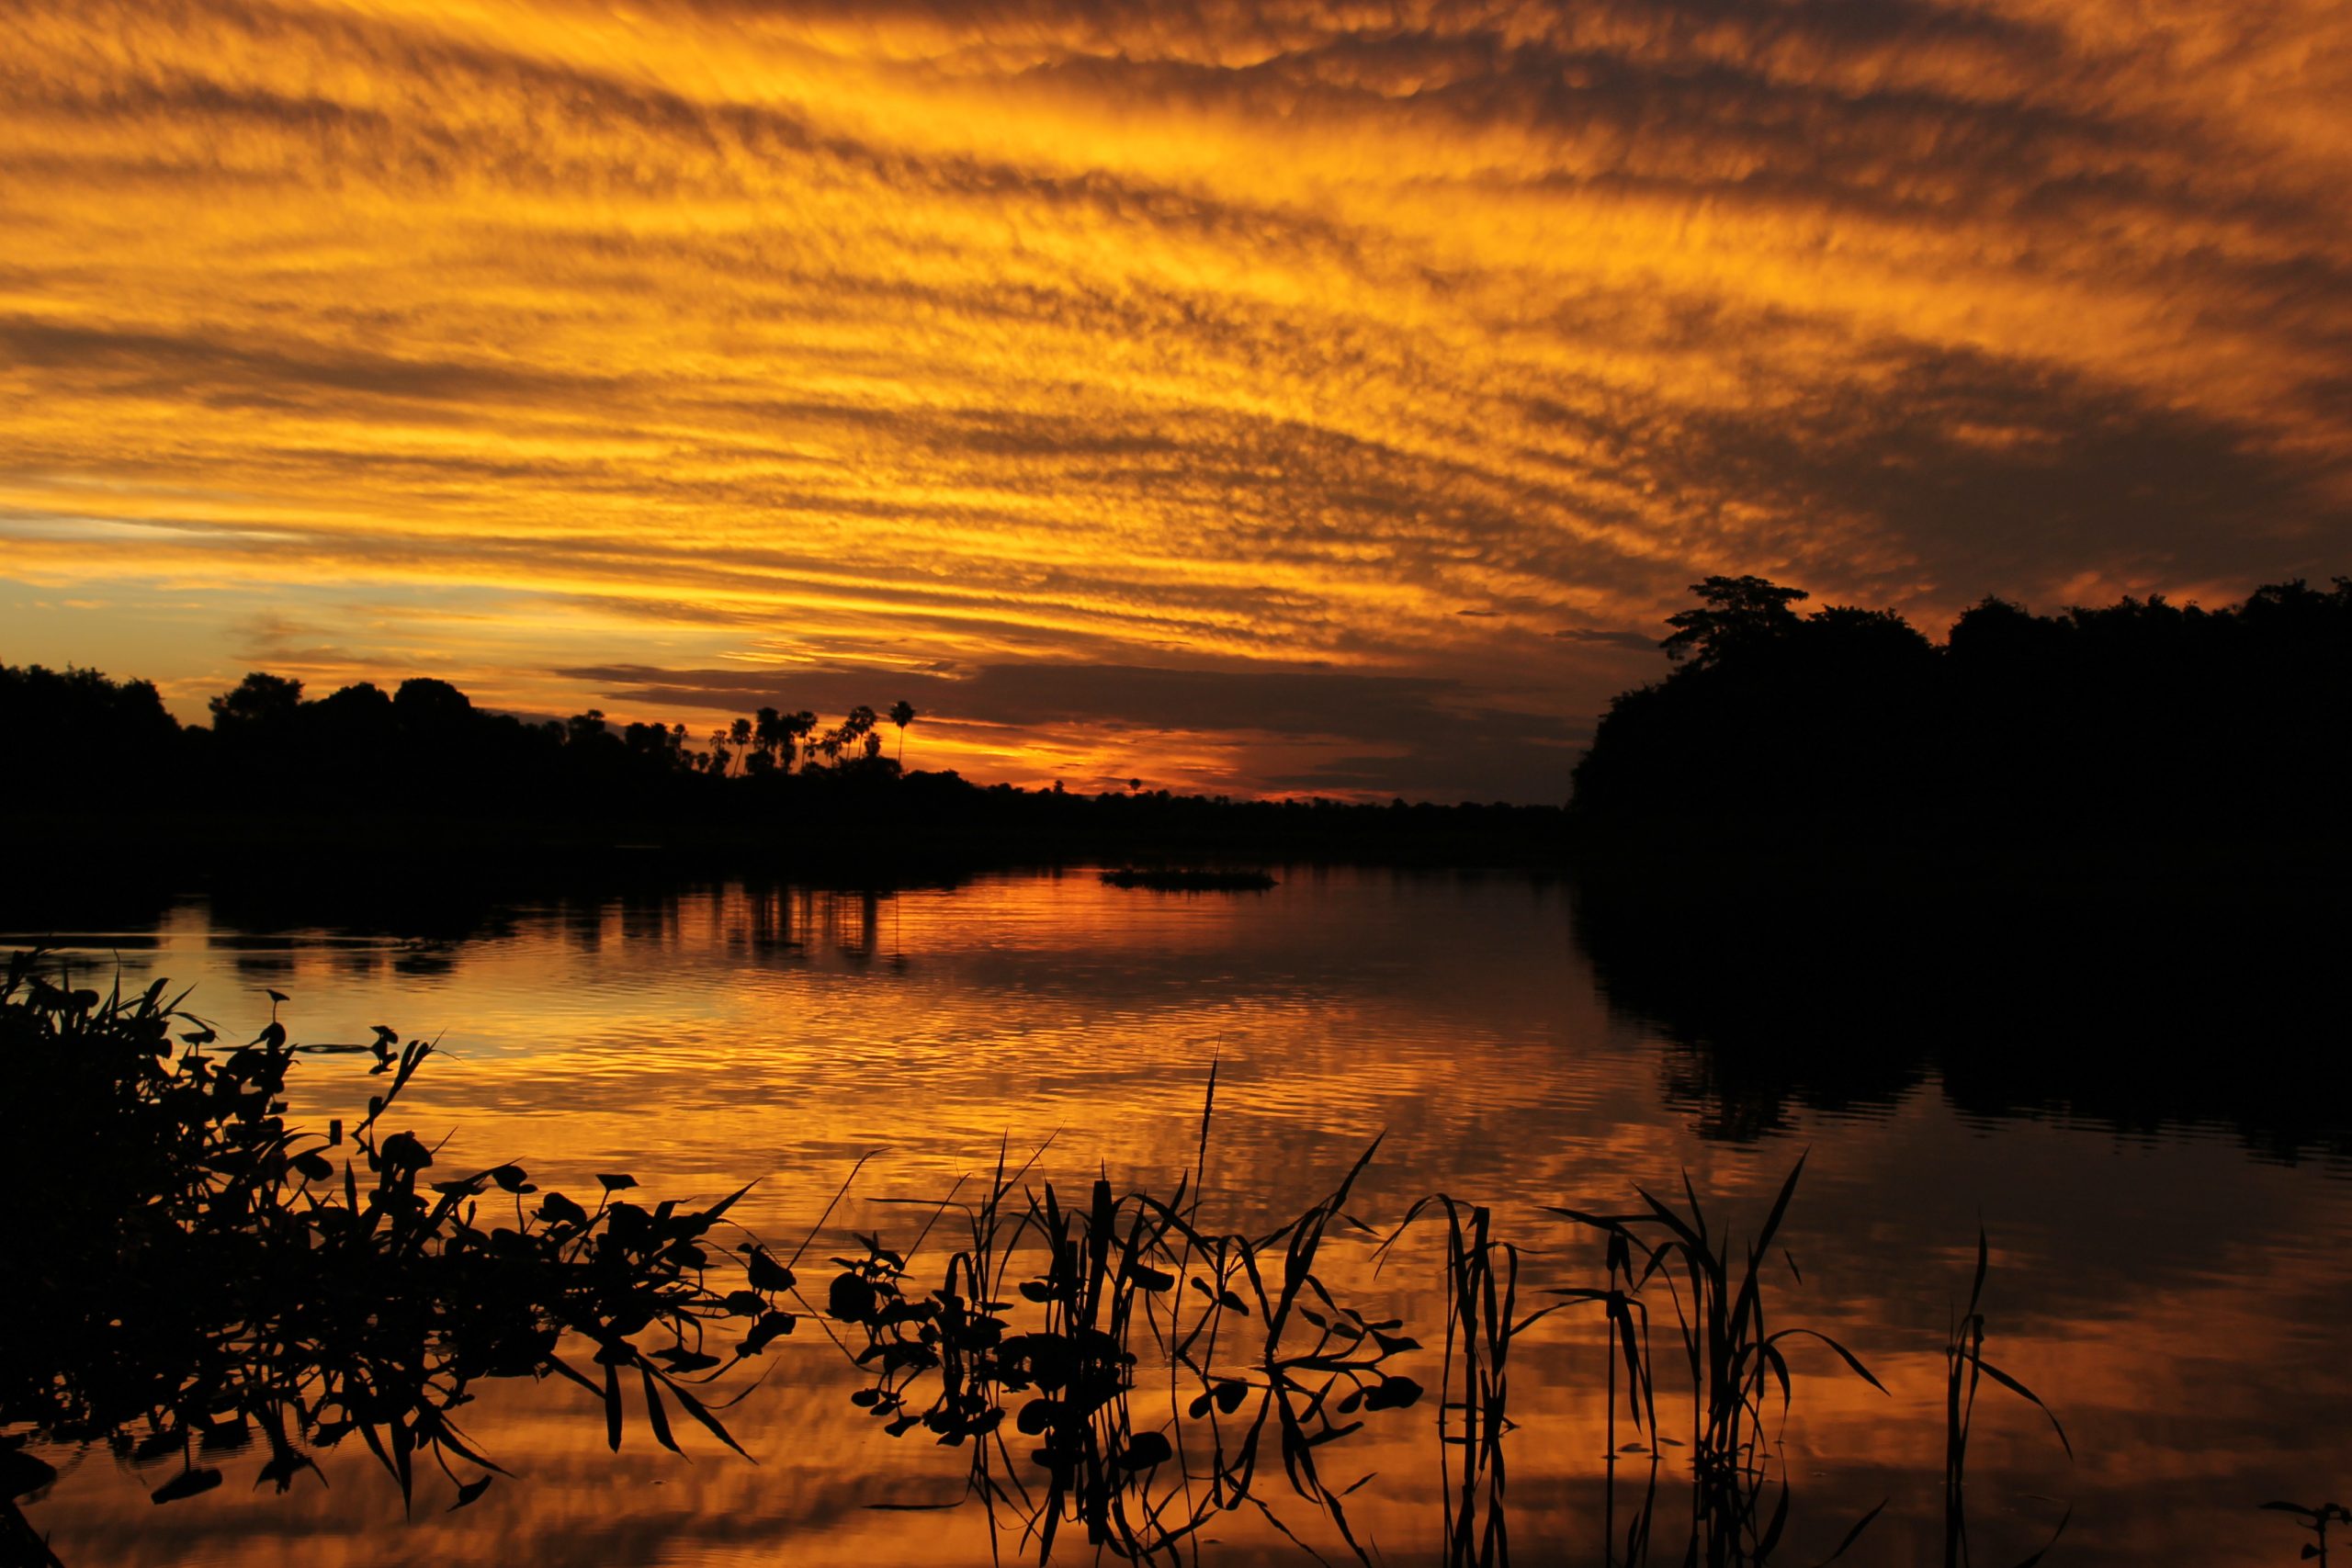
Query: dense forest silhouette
{"points": [[359, 774], [2089, 864], [2143, 722]]}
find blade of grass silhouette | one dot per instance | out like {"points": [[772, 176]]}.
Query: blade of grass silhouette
{"points": [[1855, 1534]]}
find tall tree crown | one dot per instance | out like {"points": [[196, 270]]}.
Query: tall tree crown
{"points": [[1737, 609]]}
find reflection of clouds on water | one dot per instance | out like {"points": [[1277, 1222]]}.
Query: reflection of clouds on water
{"points": [[2177, 1300]]}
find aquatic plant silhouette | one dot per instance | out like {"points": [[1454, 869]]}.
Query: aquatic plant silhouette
{"points": [[1481, 1321], [199, 1275], [1042, 1312], [1626, 1317], [326, 1289], [1735, 1358], [2316, 1520], [1966, 1369]]}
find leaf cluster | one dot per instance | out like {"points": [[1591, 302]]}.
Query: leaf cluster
{"points": [[198, 1276]]}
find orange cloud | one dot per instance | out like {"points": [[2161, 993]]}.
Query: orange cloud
{"points": [[1161, 337]]}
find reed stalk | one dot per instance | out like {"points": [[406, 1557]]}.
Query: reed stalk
{"points": [[1734, 1355]]}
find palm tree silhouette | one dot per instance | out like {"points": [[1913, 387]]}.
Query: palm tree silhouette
{"points": [[857, 726], [902, 714], [767, 729]]}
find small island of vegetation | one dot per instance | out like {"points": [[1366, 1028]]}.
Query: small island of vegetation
{"points": [[1180, 879]]}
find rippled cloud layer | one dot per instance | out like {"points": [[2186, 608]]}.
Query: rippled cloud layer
{"points": [[1248, 396]]}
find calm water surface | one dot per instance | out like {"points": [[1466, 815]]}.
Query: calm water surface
{"points": [[2179, 1300]]}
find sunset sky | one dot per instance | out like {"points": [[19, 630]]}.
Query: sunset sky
{"points": [[1281, 397]]}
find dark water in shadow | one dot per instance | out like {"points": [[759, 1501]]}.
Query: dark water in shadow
{"points": [[2169, 1262]]}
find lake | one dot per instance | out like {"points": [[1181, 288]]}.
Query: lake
{"points": [[2172, 1282]]}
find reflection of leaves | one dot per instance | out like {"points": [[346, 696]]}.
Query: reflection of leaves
{"points": [[765, 1273], [1099, 1280], [21, 1473], [1226, 1395], [850, 1299], [771, 1326], [186, 1483], [212, 1286], [1146, 1449], [1392, 1394]]}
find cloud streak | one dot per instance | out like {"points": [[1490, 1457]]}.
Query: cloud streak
{"points": [[1442, 344]]}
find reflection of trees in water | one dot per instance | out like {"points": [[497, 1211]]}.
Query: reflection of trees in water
{"points": [[2067, 863], [781, 917], [2138, 1004]]}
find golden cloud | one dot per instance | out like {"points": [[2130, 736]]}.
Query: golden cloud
{"points": [[1167, 336]]}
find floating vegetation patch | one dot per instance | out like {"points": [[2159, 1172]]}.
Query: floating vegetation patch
{"points": [[1183, 880]]}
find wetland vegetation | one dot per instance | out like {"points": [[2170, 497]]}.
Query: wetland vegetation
{"points": [[212, 1286]]}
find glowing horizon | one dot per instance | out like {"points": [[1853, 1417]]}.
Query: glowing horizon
{"points": [[1249, 398]]}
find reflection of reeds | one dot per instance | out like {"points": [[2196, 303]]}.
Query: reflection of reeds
{"points": [[1481, 1322], [1627, 1318], [332, 1300], [1964, 1369], [1104, 1277], [2316, 1520], [1734, 1356]]}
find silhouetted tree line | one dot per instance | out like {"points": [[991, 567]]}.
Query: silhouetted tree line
{"points": [[425, 745], [365, 770], [2088, 864], [2141, 718]]}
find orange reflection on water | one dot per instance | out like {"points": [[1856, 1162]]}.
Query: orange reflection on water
{"points": [[2174, 1300]]}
